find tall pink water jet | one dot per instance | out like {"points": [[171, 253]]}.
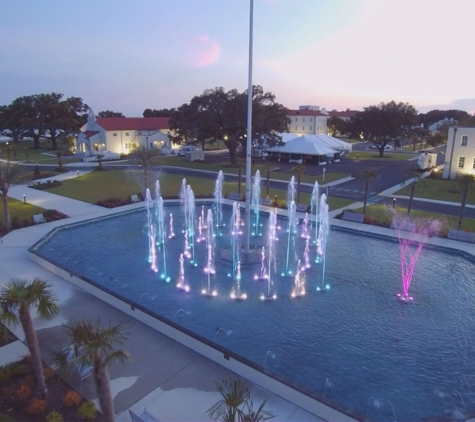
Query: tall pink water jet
{"points": [[412, 235]]}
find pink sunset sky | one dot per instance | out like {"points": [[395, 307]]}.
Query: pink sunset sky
{"points": [[127, 56]]}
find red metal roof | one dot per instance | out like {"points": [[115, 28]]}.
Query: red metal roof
{"points": [[305, 113], [133, 123], [91, 133]]}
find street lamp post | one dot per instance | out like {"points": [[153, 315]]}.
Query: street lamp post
{"points": [[249, 134], [8, 151]]}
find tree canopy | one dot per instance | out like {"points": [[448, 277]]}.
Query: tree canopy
{"points": [[435, 116], [383, 123], [109, 113], [164, 112], [43, 116], [217, 114]]}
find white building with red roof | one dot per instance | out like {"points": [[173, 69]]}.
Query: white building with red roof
{"points": [[121, 134]]}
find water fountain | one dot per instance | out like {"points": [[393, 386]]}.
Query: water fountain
{"points": [[218, 200], [292, 229], [305, 233], [314, 208], [189, 209], [412, 235], [182, 285], [161, 237], [271, 261], [210, 245], [299, 281], [152, 254], [256, 202], [263, 271], [323, 233], [236, 231], [172, 232], [291, 191], [236, 291]]}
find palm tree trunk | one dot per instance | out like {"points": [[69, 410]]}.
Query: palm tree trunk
{"points": [[32, 342], [411, 197], [6, 210], [365, 196], [101, 375], [462, 208]]}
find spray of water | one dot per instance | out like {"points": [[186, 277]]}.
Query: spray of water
{"points": [[182, 285], [172, 232], [210, 251], [236, 231], [152, 253], [263, 272], [299, 281], [314, 208], [292, 229], [291, 191], [271, 261], [255, 203], [218, 199], [323, 233]]}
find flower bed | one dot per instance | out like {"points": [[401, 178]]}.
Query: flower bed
{"points": [[49, 184], [19, 399]]}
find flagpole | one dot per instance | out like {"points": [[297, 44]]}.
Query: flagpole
{"points": [[249, 134]]}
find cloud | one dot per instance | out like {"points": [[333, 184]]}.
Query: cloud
{"points": [[207, 50]]}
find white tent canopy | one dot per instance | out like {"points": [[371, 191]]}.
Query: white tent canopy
{"points": [[331, 142], [304, 145]]}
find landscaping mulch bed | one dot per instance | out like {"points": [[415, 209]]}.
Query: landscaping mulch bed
{"points": [[18, 393]]}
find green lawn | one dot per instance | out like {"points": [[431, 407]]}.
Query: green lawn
{"points": [[443, 190], [381, 213], [99, 185], [20, 211], [374, 155], [25, 151]]}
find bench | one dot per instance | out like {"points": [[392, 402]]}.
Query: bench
{"points": [[39, 218], [143, 416], [353, 216], [135, 199], [82, 369], [461, 236], [234, 196], [266, 201], [301, 207]]}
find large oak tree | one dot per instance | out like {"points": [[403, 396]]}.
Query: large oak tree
{"points": [[383, 123], [217, 114]]}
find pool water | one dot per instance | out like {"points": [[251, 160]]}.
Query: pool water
{"points": [[355, 344]]}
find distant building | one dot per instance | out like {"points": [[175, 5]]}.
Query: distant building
{"points": [[434, 127], [311, 120], [121, 134], [460, 152]]}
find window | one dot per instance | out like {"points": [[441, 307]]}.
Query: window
{"points": [[464, 140], [461, 162], [303, 119], [295, 127], [114, 134], [139, 133], [126, 133], [303, 127], [296, 119], [310, 127]]}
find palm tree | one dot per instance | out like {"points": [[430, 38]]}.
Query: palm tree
{"points": [[93, 345], [368, 176], [10, 175], [299, 170], [17, 297], [464, 182], [145, 158]]}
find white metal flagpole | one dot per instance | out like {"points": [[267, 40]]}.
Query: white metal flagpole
{"points": [[249, 135]]}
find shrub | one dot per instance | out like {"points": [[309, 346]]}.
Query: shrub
{"points": [[87, 410], [23, 392], [36, 406], [54, 417], [72, 398], [53, 215], [113, 202]]}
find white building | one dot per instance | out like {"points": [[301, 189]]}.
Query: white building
{"points": [[121, 134], [310, 120], [460, 152]]}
